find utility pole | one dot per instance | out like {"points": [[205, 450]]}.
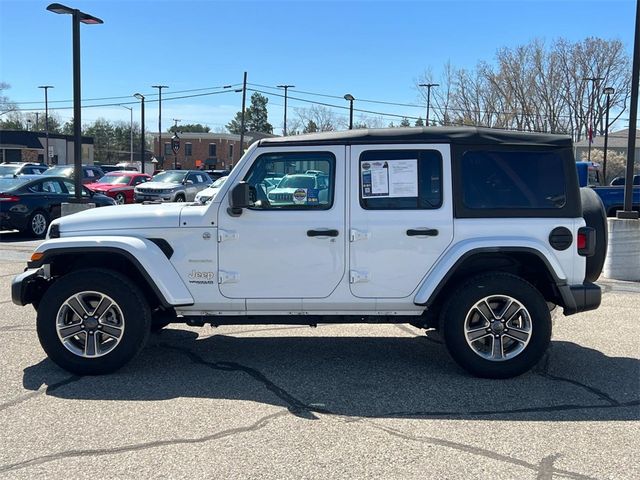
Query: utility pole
{"points": [[608, 91], [286, 87], [130, 132], [244, 99], [140, 97], [160, 87], [46, 122], [594, 84], [429, 86], [175, 126]]}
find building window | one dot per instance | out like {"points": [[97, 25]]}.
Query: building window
{"points": [[212, 149], [188, 149], [167, 148]]}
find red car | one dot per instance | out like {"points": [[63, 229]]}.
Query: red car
{"points": [[119, 185]]}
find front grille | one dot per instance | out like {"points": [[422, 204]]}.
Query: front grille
{"points": [[283, 197]]}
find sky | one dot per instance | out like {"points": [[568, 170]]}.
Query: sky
{"points": [[375, 50]]}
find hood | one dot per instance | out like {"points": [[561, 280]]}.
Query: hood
{"points": [[159, 185], [127, 217], [104, 186]]}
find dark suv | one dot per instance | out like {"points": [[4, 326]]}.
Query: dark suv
{"points": [[90, 173]]}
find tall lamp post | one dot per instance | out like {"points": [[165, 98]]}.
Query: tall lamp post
{"points": [[78, 17], [608, 91], [140, 97], [46, 121], [349, 98], [160, 87], [286, 87], [594, 81], [429, 87], [130, 132]]}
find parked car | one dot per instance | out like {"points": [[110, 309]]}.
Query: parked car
{"points": [[25, 168], [29, 205], [203, 196], [216, 174], [620, 181], [173, 186], [109, 168], [119, 185], [90, 173], [297, 189]]}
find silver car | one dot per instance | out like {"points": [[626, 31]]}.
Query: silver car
{"points": [[172, 186]]}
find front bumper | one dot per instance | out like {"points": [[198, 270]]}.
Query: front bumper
{"points": [[28, 286], [580, 298], [153, 197]]}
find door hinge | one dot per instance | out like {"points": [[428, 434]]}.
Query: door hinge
{"points": [[227, 277], [227, 235], [355, 235], [358, 276]]}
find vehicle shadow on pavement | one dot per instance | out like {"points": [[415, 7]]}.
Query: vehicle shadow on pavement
{"points": [[410, 377]]}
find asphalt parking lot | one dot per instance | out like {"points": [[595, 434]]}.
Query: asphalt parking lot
{"points": [[353, 401]]}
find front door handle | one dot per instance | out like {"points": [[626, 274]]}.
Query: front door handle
{"points": [[322, 233], [427, 232]]}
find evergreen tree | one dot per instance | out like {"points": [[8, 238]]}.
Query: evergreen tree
{"points": [[419, 122], [255, 117], [405, 122]]}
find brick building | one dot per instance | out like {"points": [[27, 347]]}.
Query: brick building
{"points": [[216, 151]]}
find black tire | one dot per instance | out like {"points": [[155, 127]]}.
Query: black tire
{"points": [[129, 299], [595, 217], [38, 224], [180, 198], [460, 305], [120, 199]]}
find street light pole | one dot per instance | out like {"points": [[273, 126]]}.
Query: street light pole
{"points": [[46, 121], [130, 132], [429, 86], [608, 91], [594, 81], [160, 87], [286, 87], [349, 98], [140, 97], [78, 17]]}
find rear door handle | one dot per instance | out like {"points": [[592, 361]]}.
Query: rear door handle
{"points": [[322, 233], [426, 232]]}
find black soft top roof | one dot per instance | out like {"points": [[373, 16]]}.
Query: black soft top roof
{"points": [[457, 135]]}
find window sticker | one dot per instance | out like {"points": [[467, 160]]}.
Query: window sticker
{"points": [[300, 196], [312, 196], [389, 178]]}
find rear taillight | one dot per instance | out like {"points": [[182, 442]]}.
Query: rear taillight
{"points": [[5, 197], [586, 241]]}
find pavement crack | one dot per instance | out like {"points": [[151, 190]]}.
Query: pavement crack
{"points": [[257, 425], [51, 388], [295, 406], [545, 468], [544, 372]]}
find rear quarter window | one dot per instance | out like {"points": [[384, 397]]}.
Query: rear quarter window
{"points": [[512, 182]]}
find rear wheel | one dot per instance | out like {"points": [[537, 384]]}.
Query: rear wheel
{"points": [[496, 325], [93, 321], [38, 224]]}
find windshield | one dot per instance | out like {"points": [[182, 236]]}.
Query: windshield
{"points": [[294, 181], [119, 179], [10, 183], [170, 177], [9, 169], [219, 182], [59, 172]]}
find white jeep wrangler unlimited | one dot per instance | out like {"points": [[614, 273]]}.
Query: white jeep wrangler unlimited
{"points": [[479, 233]]}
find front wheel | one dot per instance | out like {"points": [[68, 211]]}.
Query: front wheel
{"points": [[120, 199], [496, 325], [93, 321]]}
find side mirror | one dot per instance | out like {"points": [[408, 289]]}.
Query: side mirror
{"points": [[239, 199], [188, 182]]}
